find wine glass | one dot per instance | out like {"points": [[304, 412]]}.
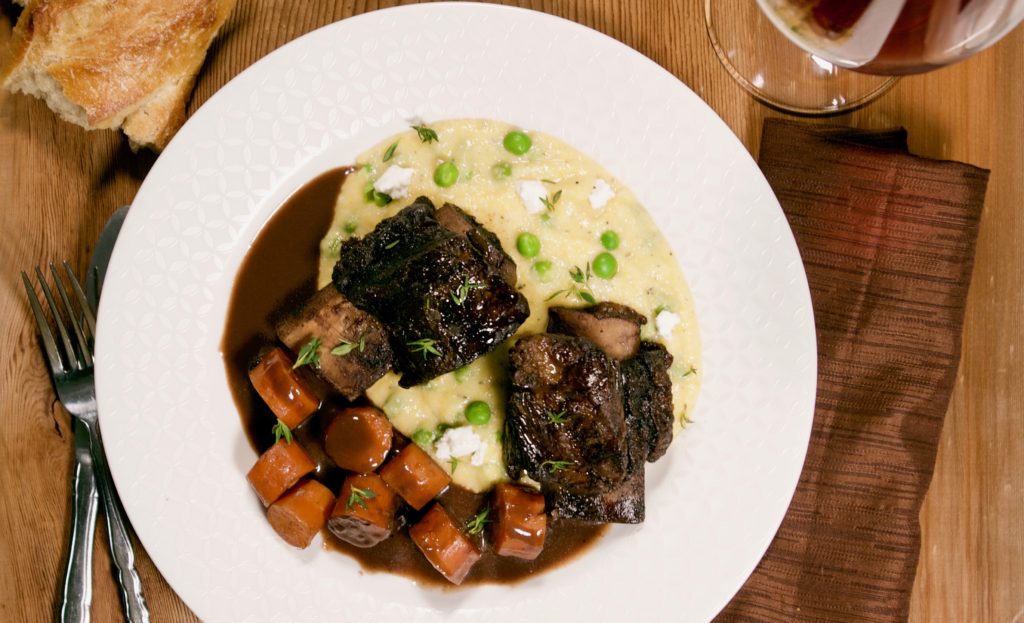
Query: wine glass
{"points": [[847, 52]]}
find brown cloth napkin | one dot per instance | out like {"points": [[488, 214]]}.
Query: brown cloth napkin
{"points": [[887, 239]]}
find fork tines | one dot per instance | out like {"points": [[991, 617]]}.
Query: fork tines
{"points": [[67, 355]]}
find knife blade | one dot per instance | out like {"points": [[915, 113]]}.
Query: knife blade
{"points": [[121, 550], [101, 255]]}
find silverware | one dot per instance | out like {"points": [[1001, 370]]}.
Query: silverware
{"points": [[71, 368]]}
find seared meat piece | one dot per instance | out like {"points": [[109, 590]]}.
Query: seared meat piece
{"points": [[565, 426], [440, 282], [583, 425], [648, 399], [452, 218], [613, 327], [330, 317], [624, 503]]}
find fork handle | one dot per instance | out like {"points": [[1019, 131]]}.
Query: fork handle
{"points": [[117, 534], [76, 592]]}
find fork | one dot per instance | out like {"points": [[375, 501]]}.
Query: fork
{"points": [[71, 369]]}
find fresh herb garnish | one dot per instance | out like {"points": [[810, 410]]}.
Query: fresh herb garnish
{"points": [[281, 430], [309, 354], [453, 463], [556, 466], [359, 496], [547, 181], [549, 202], [462, 292], [684, 419], [350, 227], [556, 418], [424, 345], [392, 245], [580, 288], [689, 371], [390, 153], [426, 134], [345, 347], [477, 523]]}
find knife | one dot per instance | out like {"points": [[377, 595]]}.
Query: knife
{"points": [[122, 551]]}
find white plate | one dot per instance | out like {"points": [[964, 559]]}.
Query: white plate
{"points": [[176, 446]]}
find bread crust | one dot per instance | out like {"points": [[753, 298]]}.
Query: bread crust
{"points": [[114, 63]]}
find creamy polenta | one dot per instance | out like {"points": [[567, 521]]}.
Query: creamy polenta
{"points": [[577, 212]]}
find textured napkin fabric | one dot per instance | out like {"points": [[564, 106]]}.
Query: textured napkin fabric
{"points": [[887, 239]]}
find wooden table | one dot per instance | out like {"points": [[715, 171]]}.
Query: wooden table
{"points": [[60, 183]]}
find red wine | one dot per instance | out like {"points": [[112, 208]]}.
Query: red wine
{"points": [[894, 36]]}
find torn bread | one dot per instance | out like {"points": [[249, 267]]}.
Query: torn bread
{"points": [[114, 63]]}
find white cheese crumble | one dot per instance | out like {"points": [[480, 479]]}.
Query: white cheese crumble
{"points": [[394, 182], [666, 321], [460, 442], [531, 192], [601, 194]]}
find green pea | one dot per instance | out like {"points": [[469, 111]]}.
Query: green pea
{"points": [[478, 412], [543, 270], [423, 437], [528, 244], [501, 170], [517, 142], [610, 240], [461, 373], [605, 265], [446, 174]]}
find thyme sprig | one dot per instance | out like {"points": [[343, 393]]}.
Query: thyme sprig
{"points": [[477, 523], [345, 347], [424, 345], [359, 496], [309, 354]]}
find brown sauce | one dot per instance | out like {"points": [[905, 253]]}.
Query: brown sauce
{"points": [[277, 274]]}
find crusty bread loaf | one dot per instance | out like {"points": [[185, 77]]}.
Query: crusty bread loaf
{"points": [[114, 63]]}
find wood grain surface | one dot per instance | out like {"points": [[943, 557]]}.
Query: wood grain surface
{"points": [[59, 183]]}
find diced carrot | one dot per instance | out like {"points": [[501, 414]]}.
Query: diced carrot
{"points": [[358, 438], [299, 514], [290, 397], [520, 523], [364, 514], [415, 476], [444, 545], [277, 469]]}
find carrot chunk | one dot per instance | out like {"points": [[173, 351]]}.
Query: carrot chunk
{"points": [[364, 514], [358, 438], [299, 514], [285, 392], [520, 523], [277, 469], [444, 545], [415, 476]]}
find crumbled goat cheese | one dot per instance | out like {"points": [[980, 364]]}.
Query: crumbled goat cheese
{"points": [[460, 442], [394, 182], [601, 194], [666, 321], [531, 192]]}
